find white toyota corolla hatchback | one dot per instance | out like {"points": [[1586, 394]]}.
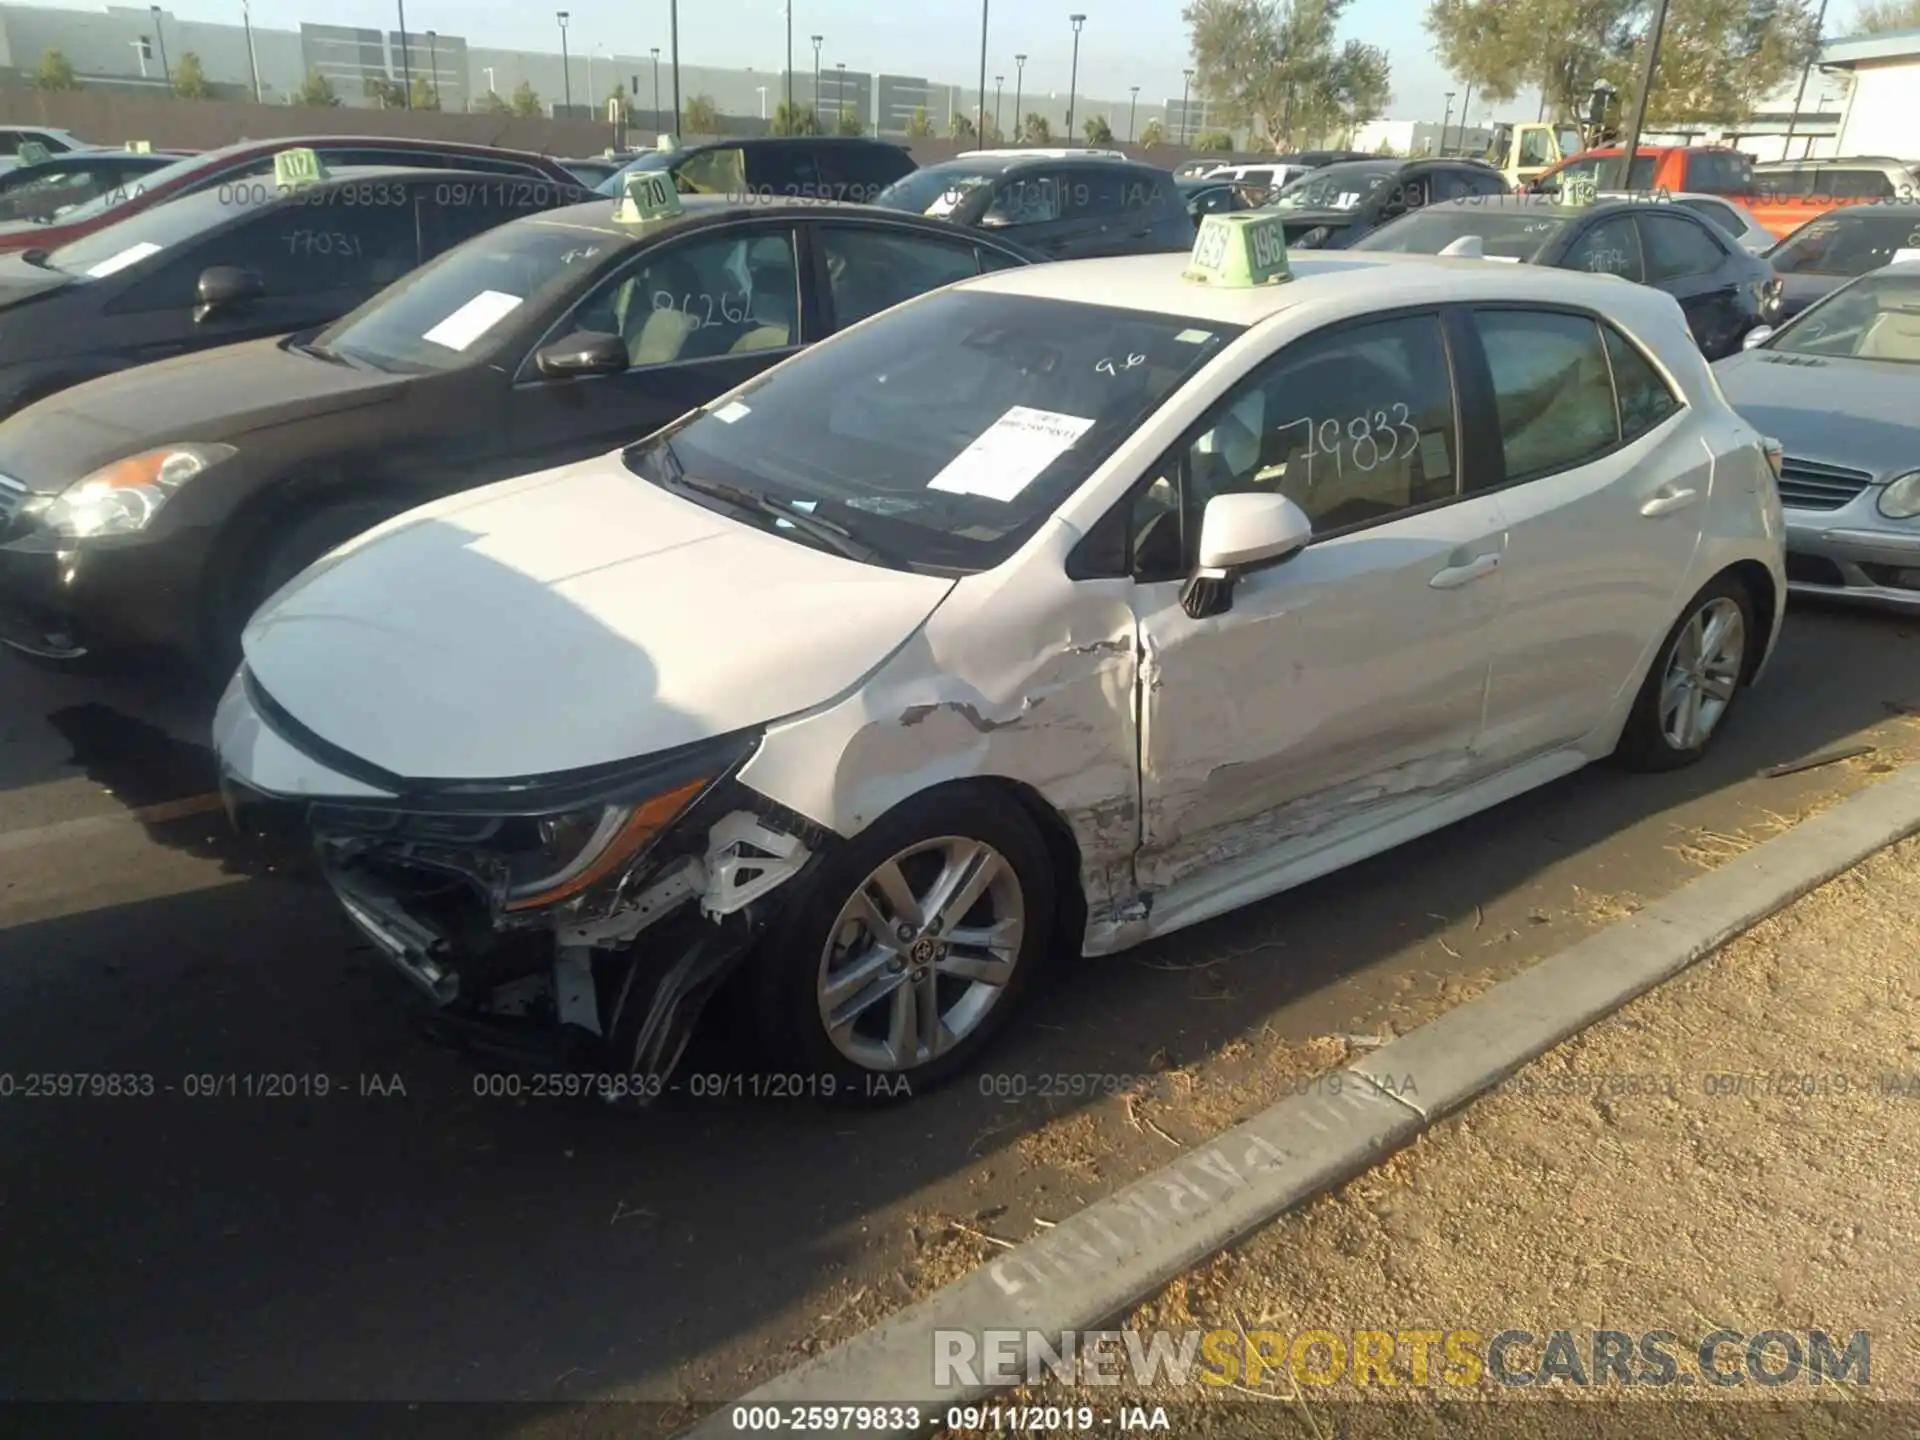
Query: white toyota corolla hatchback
{"points": [[1059, 609]]}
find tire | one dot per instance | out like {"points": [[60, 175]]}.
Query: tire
{"points": [[1653, 740], [304, 540], [786, 981]]}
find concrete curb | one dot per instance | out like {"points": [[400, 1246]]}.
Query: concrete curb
{"points": [[1095, 1265]]}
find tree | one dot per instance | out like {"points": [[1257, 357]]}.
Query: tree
{"points": [[960, 127], [385, 93], [423, 96], [920, 126], [1718, 58], [1213, 140], [316, 89], [1037, 130], [991, 134], [1151, 134], [1361, 87], [491, 104], [849, 122], [54, 72], [1097, 131], [526, 101], [701, 116], [1877, 17], [1268, 65], [800, 120], [190, 78], [1385, 147]]}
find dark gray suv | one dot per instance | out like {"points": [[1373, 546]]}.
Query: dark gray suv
{"points": [[1062, 206]]}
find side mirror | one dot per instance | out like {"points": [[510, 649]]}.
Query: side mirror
{"points": [[1238, 533], [1759, 335], [586, 352], [225, 287]]}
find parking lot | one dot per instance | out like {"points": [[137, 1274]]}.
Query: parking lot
{"points": [[239, 1234]]}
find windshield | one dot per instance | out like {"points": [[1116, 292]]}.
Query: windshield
{"points": [[615, 184], [1849, 242], [945, 433], [1570, 141], [936, 190], [448, 313], [1604, 171], [1873, 319], [127, 242], [139, 185], [1504, 236], [1338, 187]]}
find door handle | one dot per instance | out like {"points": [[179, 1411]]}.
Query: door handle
{"points": [[1454, 576], [1666, 500]]}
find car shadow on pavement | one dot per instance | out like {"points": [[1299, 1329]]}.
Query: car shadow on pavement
{"points": [[409, 1234]]}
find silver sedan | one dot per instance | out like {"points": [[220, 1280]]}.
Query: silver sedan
{"points": [[1839, 387]]}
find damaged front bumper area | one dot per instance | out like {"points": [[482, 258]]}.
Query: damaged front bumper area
{"points": [[575, 922]]}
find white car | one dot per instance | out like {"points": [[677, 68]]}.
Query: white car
{"points": [[1060, 609], [1259, 177], [1730, 215]]}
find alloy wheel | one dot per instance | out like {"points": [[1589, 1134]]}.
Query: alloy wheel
{"points": [[1702, 674]]}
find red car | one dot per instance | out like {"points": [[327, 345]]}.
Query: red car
{"points": [[251, 162]]}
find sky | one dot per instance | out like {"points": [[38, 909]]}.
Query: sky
{"points": [[1123, 43]]}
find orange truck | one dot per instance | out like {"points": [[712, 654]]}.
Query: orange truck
{"points": [[1696, 170]]}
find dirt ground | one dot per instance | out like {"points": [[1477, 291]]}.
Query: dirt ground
{"points": [[1736, 1150]]}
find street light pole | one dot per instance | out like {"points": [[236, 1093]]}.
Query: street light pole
{"points": [[673, 20], [253, 60], [1465, 106], [1073, 79], [997, 81], [1446, 123], [1631, 152], [656, 90], [406, 70], [816, 80], [980, 120], [1819, 24], [789, 10], [1132, 111], [159, 35], [1186, 89], [839, 94], [1019, 76], [566, 68], [433, 69]]}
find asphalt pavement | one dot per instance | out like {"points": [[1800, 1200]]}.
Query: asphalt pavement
{"points": [[238, 1235]]}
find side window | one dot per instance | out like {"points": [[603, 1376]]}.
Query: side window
{"points": [[1536, 148], [860, 172], [1407, 192], [1451, 185], [871, 270], [702, 298], [1355, 425], [1140, 193], [1787, 184], [719, 171], [1643, 396], [1859, 185], [453, 213], [1029, 199], [784, 170], [360, 247], [1677, 248], [991, 260], [1717, 213], [10, 142], [1552, 390], [1092, 193], [1611, 247]]}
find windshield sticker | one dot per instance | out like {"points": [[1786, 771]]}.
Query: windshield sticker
{"points": [[1194, 337], [733, 410], [883, 505], [1348, 199], [472, 320], [132, 255], [1503, 259], [1011, 455]]}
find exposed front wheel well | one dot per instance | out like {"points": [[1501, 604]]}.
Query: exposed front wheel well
{"points": [[1063, 852], [1758, 582]]}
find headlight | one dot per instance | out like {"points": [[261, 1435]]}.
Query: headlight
{"points": [[1900, 498], [580, 848], [122, 498]]}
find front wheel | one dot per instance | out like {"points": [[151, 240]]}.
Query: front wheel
{"points": [[909, 949], [1693, 683]]}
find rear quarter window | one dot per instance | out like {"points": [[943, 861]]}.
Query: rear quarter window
{"points": [[1720, 174]]}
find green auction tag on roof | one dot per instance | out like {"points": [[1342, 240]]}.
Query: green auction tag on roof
{"points": [[140, 147], [650, 195], [1235, 251], [294, 168], [33, 152], [1578, 190]]}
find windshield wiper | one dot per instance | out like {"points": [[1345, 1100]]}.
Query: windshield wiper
{"points": [[823, 533]]}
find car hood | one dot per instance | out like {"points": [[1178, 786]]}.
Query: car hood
{"points": [[215, 395], [21, 281], [1858, 413], [568, 619]]}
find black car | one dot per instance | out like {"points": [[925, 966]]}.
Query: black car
{"points": [[39, 192], [1066, 208], [1826, 252], [824, 167], [1336, 205], [158, 507], [232, 263], [1211, 197], [1719, 285], [1319, 159]]}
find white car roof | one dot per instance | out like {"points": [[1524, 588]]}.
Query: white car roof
{"points": [[1371, 281]]}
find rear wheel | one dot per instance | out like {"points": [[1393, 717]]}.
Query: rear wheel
{"points": [[910, 949], [1694, 681]]}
